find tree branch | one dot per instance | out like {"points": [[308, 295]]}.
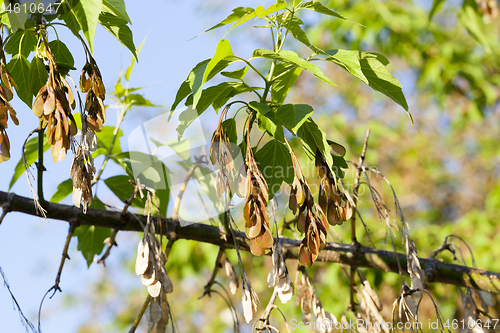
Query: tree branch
{"points": [[359, 256]]}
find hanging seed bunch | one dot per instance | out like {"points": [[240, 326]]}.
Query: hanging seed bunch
{"points": [[230, 273], [298, 191], [369, 307], [249, 299], [311, 220], [222, 154], [5, 110], [150, 262], [305, 295], [333, 203], [91, 83], [82, 172], [254, 211], [53, 105], [279, 277], [307, 299], [158, 314]]}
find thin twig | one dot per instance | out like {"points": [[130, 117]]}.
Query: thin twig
{"points": [[73, 223], [218, 265], [230, 305], [112, 239], [177, 204], [25, 322], [170, 243], [107, 156], [55, 288], [39, 209], [40, 166], [443, 247], [6, 207], [264, 319], [356, 184], [4, 213], [353, 218], [139, 316]]}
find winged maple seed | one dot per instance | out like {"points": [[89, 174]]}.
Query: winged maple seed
{"points": [[325, 320], [6, 109], [471, 311], [53, 105], [305, 295], [231, 274], [416, 274], [222, 154], [369, 305], [279, 277], [249, 299], [158, 314], [91, 83], [254, 211], [81, 173], [150, 261]]}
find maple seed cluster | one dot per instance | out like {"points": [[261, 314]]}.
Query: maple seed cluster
{"points": [[52, 106], [311, 221], [334, 204], [279, 277], [230, 273], [91, 83], [5, 110], [249, 299], [220, 152], [254, 211], [81, 173], [150, 265]]}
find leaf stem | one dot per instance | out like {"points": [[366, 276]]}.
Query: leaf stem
{"points": [[139, 316], [40, 166], [112, 143], [286, 32], [262, 136], [252, 67], [268, 82]]}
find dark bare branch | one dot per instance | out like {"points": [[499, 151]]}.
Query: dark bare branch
{"points": [[359, 256]]}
